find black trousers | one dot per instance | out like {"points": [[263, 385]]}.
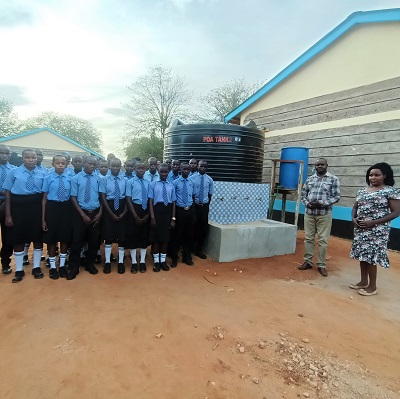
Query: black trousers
{"points": [[81, 233], [200, 226], [7, 248], [183, 233]]}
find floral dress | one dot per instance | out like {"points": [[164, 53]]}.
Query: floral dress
{"points": [[370, 245]]}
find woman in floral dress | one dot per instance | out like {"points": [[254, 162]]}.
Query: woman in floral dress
{"points": [[375, 206]]}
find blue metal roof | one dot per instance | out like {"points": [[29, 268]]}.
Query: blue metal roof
{"points": [[29, 132], [359, 17]]}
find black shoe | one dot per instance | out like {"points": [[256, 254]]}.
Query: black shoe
{"points": [[187, 261], [156, 267], [18, 276], [26, 261], [98, 259], [37, 272], [201, 255], [113, 258], [72, 273], [164, 266], [174, 263], [142, 267], [53, 274], [107, 268], [82, 261], [121, 268], [134, 269], [7, 270], [91, 269], [62, 272]]}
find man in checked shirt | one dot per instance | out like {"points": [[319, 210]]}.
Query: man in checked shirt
{"points": [[319, 193]]}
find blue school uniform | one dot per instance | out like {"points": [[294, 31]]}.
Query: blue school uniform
{"points": [[149, 177], [135, 191], [171, 176], [42, 169], [57, 187], [203, 185], [156, 192], [184, 192], [87, 194], [21, 181], [4, 170], [108, 187], [192, 174]]}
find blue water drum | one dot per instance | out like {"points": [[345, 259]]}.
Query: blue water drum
{"points": [[289, 172]]}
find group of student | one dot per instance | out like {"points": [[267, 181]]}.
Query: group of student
{"points": [[74, 209]]}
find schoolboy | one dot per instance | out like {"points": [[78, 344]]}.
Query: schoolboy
{"points": [[39, 156], [23, 209], [137, 190], [129, 166], [162, 217], [113, 229], [174, 172], [86, 216], [184, 218], [77, 163], [103, 169], [193, 167], [6, 247], [168, 161], [152, 174], [57, 214], [203, 191]]}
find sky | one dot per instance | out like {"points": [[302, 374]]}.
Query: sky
{"points": [[78, 56]]}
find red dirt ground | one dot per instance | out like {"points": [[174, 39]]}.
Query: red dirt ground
{"points": [[281, 332]]}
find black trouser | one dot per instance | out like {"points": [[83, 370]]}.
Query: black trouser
{"points": [[200, 226], [81, 233], [183, 232], [6, 248]]}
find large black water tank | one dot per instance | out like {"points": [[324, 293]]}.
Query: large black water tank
{"points": [[234, 153]]}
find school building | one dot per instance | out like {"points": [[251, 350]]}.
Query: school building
{"points": [[49, 141], [341, 99]]}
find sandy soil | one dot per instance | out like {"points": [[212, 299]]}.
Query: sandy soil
{"points": [[280, 333]]}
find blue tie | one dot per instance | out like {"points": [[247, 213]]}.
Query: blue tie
{"points": [[30, 183], [116, 193], [164, 194], [61, 192], [86, 196], [144, 195], [185, 193], [201, 190]]}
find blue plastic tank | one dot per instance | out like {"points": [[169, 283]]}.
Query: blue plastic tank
{"points": [[289, 172]]}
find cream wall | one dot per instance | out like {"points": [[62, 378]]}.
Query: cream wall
{"points": [[43, 140], [364, 55]]}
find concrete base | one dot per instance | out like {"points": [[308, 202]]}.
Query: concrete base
{"points": [[260, 239]]}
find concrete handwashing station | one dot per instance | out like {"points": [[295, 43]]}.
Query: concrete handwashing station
{"points": [[238, 225]]}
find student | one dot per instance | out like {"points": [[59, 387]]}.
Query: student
{"points": [[137, 191], [162, 217], [129, 166], [24, 211], [193, 167], [152, 174], [112, 195], [203, 191], [174, 172], [168, 161], [77, 163], [57, 214], [183, 231], [86, 216], [6, 247], [103, 169], [39, 155]]}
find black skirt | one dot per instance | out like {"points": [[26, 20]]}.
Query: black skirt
{"points": [[110, 230], [160, 232], [137, 234], [26, 213], [59, 222]]}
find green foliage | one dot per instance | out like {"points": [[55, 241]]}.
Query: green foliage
{"points": [[145, 147], [9, 122], [77, 129]]}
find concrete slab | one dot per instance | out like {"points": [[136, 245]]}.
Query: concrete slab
{"points": [[260, 239]]}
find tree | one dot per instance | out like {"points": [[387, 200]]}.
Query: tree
{"points": [[80, 130], [9, 122], [145, 147], [223, 99], [156, 99]]}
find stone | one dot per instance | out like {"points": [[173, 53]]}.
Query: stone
{"points": [[241, 349], [261, 345], [221, 336], [351, 297], [230, 290], [159, 335], [306, 340], [306, 394], [255, 380], [215, 274], [300, 315]]}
